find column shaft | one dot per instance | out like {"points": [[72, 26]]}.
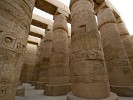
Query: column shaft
{"points": [[15, 19], [125, 37], [59, 78], [29, 62], [46, 54], [119, 68], [89, 76]]}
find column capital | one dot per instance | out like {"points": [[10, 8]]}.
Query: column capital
{"points": [[60, 11], [105, 16]]}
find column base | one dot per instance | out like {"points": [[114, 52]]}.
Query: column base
{"points": [[40, 85], [126, 91], [113, 96], [20, 91], [56, 90]]}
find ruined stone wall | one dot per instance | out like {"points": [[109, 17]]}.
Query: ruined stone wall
{"points": [[15, 19]]}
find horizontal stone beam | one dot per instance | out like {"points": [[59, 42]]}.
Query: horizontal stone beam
{"points": [[106, 4], [52, 6], [41, 21], [37, 32], [34, 40]]}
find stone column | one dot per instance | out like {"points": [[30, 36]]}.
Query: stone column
{"points": [[59, 79], [131, 37], [69, 49], [35, 71], [125, 37], [29, 62], [89, 77], [46, 53], [39, 62], [119, 68], [15, 19]]}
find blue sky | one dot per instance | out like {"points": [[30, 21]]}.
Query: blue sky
{"points": [[125, 8]]}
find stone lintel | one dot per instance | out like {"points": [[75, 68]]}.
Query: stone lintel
{"points": [[36, 31], [41, 21], [52, 6], [33, 40]]}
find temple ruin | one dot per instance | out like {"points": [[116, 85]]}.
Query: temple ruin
{"points": [[91, 60]]}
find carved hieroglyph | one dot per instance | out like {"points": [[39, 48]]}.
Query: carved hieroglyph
{"points": [[119, 68], [89, 77], [15, 19], [125, 37], [59, 61]]}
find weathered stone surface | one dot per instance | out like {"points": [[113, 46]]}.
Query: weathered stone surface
{"points": [[89, 77], [14, 29], [125, 91], [112, 96], [20, 91], [119, 68], [40, 85], [125, 37], [44, 53], [36, 70], [59, 61], [29, 62], [56, 90], [38, 63]]}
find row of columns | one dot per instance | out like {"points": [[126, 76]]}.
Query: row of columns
{"points": [[97, 60], [117, 62]]}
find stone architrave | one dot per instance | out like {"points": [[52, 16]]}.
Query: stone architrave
{"points": [[89, 77], [46, 54], [125, 37], [15, 19], [59, 79], [118, 65]]}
